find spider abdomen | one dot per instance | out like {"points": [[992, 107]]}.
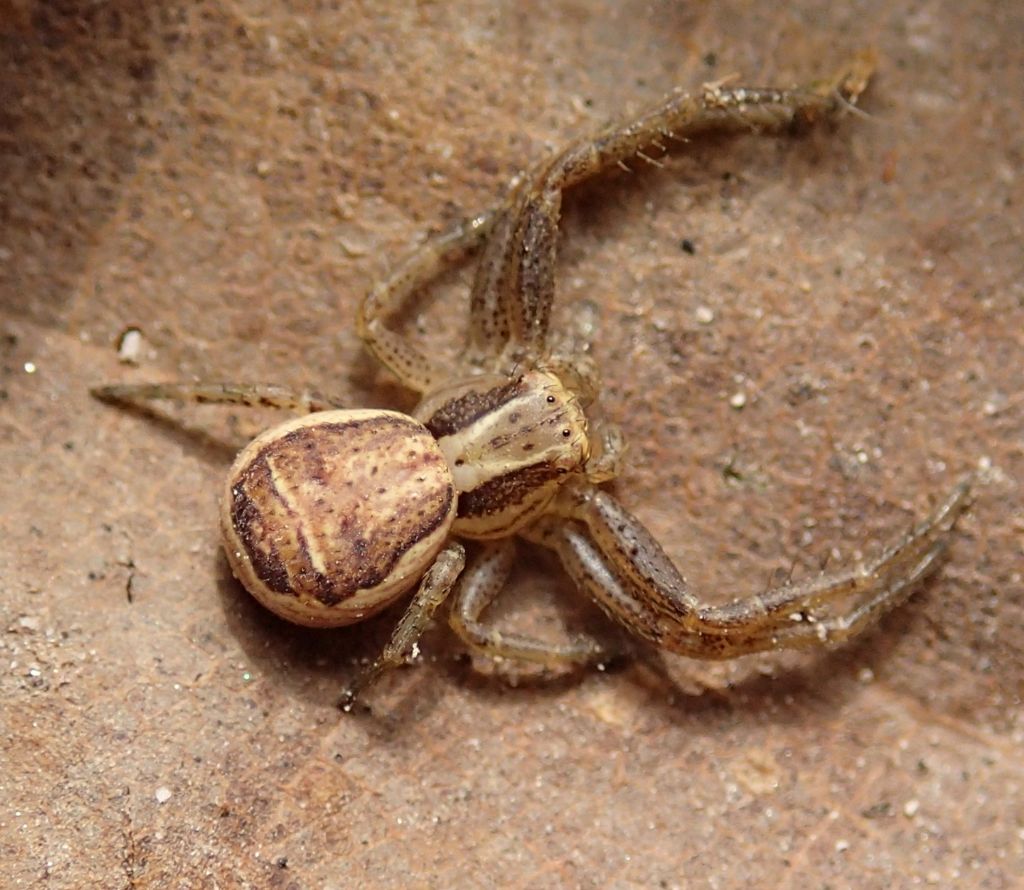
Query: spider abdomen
{"points": [[329, 518]]}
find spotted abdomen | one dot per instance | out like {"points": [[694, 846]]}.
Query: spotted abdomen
{"points": [[329, 518]]}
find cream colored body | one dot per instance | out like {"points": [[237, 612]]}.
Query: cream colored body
{"points": [[329, 518]]}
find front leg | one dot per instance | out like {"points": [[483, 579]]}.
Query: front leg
{"points": [[264, 395], [408, 363], [610, 555], [511, 302]]}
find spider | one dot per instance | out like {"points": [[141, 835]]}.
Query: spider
{"points": [[332, 516]]}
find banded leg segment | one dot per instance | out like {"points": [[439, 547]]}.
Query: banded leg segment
{"points": [[265, 395], [896, 589], [592, 572], [483, 580], [516, 284], [616, 560], [434, 589], [408, 363], [490, 322]]}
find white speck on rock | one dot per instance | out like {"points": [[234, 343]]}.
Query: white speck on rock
{"points": [[130, 346]]}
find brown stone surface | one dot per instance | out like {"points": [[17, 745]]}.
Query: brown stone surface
{"points": [[230, 177]]}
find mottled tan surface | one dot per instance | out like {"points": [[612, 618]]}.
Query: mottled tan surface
{"points": [[230, 177]]}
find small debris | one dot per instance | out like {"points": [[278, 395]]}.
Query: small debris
{"points": [[911, 807], [688, 246], [30, 367], [163, 794], [758, 773], [738, 399], [129, 346], [995, 404], [705, 314], [878, 810]]}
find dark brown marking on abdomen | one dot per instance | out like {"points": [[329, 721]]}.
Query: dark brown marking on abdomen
{"points": [[331, 472]]}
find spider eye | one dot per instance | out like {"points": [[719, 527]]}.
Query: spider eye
{"points": [[551, 400], [566, 433]]}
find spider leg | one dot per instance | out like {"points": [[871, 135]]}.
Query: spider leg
{"points": [[900, 560], [437, 583], [618, 563], [510, 306], [891, 592], [592, 572], [608, 457], [266, 395], [483, 580], [408, 363], [490, 303]]}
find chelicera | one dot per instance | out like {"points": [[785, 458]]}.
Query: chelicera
{"points": [[330, 517]]}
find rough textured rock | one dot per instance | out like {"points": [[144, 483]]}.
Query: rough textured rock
{"points": [[228, 178]]}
